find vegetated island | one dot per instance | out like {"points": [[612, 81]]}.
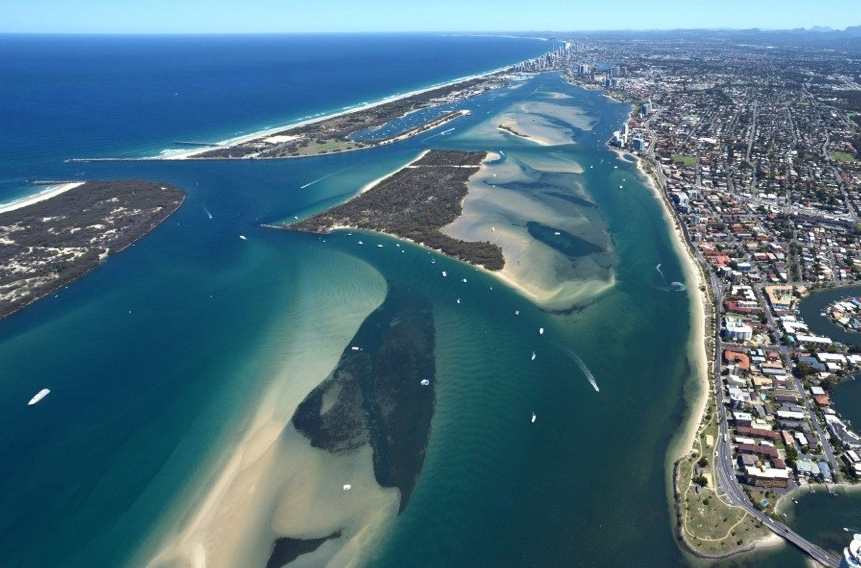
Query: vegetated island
{"points": [[415, 203], [338, 133], [50, 243]]}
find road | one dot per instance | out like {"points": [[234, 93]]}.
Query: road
{"points": [[726, 481], [787, 363]]}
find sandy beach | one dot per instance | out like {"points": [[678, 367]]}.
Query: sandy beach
{"points": [[699, 303], [41, 196], [373, 183], [185, 154]]}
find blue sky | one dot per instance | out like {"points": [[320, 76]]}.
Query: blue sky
{"points": [[250, 16]]}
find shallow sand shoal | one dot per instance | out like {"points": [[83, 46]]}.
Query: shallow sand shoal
{"points": [[497, 214], [575, 116], [52, 191], [236, 510]]}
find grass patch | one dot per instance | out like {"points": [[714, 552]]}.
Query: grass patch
{"points": [[709, 525], [843, 157], [684, 160]]}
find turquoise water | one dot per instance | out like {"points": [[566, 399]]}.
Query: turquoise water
{"points": [[158, 359]]}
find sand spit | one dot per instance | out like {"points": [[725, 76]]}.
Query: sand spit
{"points": [[263, 487], [185, 154], [41, 196]]}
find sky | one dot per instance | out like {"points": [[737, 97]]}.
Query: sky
{"points": [[289, 16]]}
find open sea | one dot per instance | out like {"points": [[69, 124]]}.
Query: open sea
{"points": [[157, 360]]}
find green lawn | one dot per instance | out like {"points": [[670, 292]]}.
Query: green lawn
{"points": [[843, 157], [685, 160]]}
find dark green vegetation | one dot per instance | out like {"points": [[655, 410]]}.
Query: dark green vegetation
{"points": [[50, 243], [335, 134], [286, 550], [415, 203], [378, 393]]}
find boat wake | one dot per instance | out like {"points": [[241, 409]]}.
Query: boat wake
{"points": [[310, 183], [664, 287], [589, 376], [208, 214]]}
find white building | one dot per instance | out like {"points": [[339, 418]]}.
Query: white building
{"points": [[738, 330]]}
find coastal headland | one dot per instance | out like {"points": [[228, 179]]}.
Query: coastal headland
{"points": [[59, 235]]}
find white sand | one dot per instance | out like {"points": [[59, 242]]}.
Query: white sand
{"points": [[372, 184], [532, 122], [575, 116], [269, 132], [273, 474], [535, 128], [697, 342], [52, 191], [498, 215]]}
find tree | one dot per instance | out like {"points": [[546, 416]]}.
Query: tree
{"points": [[703, 462]]}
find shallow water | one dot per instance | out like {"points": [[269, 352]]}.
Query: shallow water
{"points": [[158, 361]]}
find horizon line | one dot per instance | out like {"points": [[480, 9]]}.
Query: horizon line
{"points": [[812, 29]]}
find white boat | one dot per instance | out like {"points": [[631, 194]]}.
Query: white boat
{"points": [[458, 300], [444, 274], [379, 246], [243, 237], [533, 356], [39, 396], [517, 312], [533, 418], [425, 382], [540, 331], [361, 243], [347, 487], [464, 280], [557, 233]]}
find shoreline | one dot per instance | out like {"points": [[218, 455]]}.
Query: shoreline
{"points": [[51, 191], [241, 500], [186, 154], [813, 487], [374, 183], [542, 299], [700, 306]]}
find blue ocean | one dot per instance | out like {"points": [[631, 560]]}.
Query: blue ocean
{"points": [[168, 358]]}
